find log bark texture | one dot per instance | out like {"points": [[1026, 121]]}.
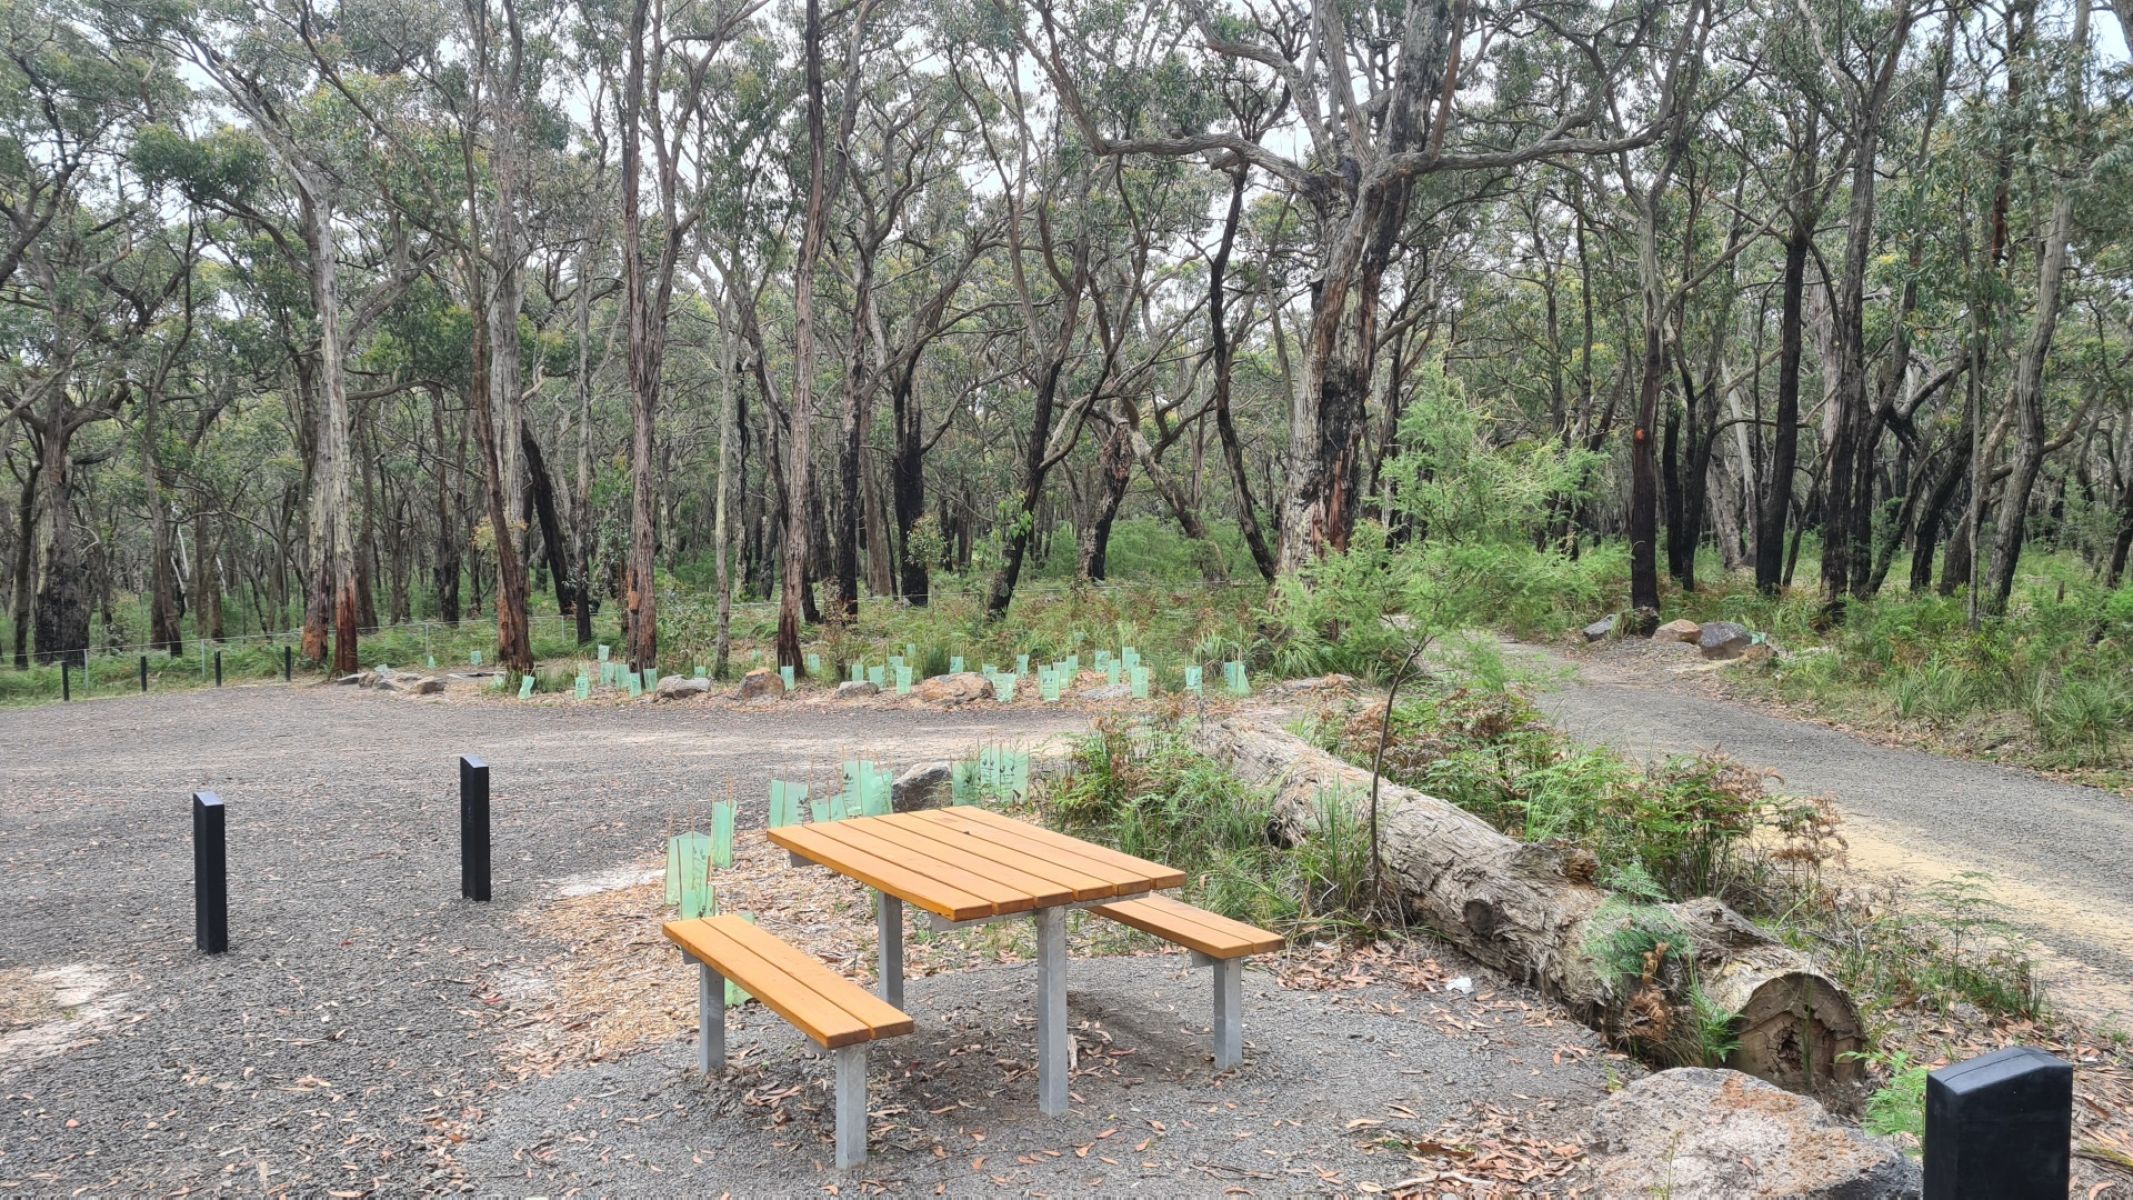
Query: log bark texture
{"points": [[1534, 911]]}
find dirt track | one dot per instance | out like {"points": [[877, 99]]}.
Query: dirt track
{"points": [[2060, 856]]}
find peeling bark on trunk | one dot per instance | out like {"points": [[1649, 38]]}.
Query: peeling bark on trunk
{"points": [[1532, 910]]}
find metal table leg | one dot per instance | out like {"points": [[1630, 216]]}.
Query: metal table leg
{"points": [[889, 939], [851, 1064], [710, 1019], [1051, 1012]]}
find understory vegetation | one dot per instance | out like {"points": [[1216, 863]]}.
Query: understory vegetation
{"points": [[1674, 830]]}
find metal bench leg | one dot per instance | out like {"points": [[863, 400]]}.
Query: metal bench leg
{"points": [[851, 1104], [710, 1020], [889, 930], [1051, 1012], [1229, 1012]]}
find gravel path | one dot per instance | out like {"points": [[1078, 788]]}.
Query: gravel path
{"points": [[2060, 855], [352, 1040]]}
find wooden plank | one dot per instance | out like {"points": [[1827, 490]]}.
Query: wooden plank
{"points": [[955, 824], [876, 872], [882, 1017], [1004, 869], [810, 1011], [1156, 874], [855, 833], [1209, 933], [1085, 884]]}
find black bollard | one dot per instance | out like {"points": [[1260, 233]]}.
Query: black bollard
{"points": [[473, 828], [218, 668], [2000, 1126], [144, 674], [288, 662], [211, 875]]}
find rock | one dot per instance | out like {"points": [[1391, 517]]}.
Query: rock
{"points": [[368, 679], [1678, 631], [927, 785], [1336, 684], [952, 690], [1698, 1132], [759, 683], [852, 688], [1601, 629], [426, 685], [1723, 639], [1108, 691], [356, 678], [682, 687]]}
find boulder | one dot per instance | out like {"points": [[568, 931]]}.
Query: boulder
{"points": [[1106, 691], [1723, 639], [854, 688], [1683, 630], [413, 685], [1601, 629], [1697, 1132], [927, 785], [426, 685], [682, 687], [952, 690], [759, 683], [357, 678]]}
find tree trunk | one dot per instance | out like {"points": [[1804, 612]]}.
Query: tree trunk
{"points": [[1114, 470], [1532, 911], [794, 598], [163, 632], [907, 482], [332, 489], [62, 602], [25, 573], [1222, 358], [647, 330], [552, 537], [721, 549], [581, 499], [1785, 422], [849, 476], [2027, 399], [207, 581]]}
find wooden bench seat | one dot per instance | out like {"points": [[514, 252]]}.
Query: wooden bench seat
{"points": [[1215, 941], [839, 1015]]}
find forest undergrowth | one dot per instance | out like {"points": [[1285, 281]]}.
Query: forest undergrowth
{"points": [[1933, 969]]}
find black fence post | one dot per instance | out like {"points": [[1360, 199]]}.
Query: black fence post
{"points": [[218, 668], [144, 674], [288, 662], [211, 875], [473, 828], [2000, 1126], [66, 680]]}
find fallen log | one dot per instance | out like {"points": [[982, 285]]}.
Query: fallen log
{"points": [[1535, 912]]}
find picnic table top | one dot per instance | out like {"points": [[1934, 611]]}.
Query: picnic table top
{"points": [[965, 863]]}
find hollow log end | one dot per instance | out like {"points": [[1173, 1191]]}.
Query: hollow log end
{"points": [[1796, 1029]]}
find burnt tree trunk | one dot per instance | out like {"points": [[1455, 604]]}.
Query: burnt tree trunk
{"points": [[569, 589], [1533, 911]]}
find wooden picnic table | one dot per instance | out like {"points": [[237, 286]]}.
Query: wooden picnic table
{"points": [[967, 864]]}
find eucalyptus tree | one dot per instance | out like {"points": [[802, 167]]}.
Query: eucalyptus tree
{"points": [[1376, 94], [655, 42]]}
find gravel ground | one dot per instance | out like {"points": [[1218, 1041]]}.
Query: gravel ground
{"points": [[2060, 855], [352, 1040]]}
